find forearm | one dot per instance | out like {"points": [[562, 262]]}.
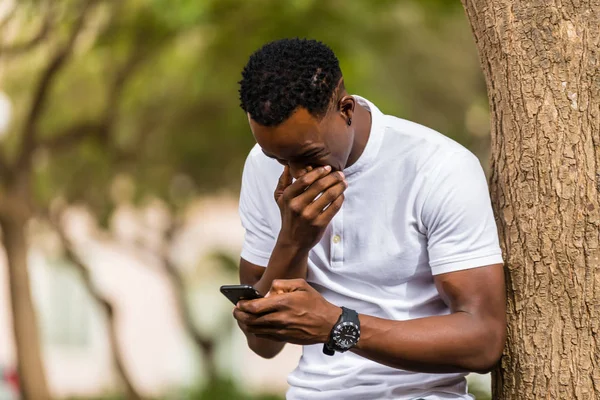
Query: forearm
{"points": [[457, 342], [263, 347], [286, 262], [307, 206]]}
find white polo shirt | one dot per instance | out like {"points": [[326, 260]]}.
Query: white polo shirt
{"points": [[417, 205]]}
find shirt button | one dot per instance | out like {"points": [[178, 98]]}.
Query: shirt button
{"points": [[337, 239]]}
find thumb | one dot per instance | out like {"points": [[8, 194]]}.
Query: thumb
{"points": [[287, 285], [285, 180]]}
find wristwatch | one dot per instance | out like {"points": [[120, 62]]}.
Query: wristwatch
{"points": [[344, 334]]}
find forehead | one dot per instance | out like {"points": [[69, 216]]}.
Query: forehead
{"points": [[299, 132]]}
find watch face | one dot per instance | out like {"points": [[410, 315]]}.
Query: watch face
{"points": [[346, 335]]}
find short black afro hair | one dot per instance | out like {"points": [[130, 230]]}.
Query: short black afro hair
{"points": [[286, 74]]}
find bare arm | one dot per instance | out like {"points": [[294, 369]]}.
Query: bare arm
{"points": [[261, 279], [304, 219], [471, 338]]}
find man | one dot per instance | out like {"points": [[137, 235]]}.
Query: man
{"points": [[381, 216]]}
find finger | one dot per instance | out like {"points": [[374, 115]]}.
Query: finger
{"points": [[270, 320], [305, 171], [242, 326], [248, 320], [272, 331], [300, 185], [260, 306], [270, 337], [285, 180], [243, 318], [319, 187], [326, 216], [329, 196], [282, 286]]}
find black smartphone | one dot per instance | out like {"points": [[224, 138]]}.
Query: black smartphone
{"points": [[236, 293]]}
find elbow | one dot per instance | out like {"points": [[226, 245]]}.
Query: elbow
{"points": [[263, 348], [489, 351], [485, 364], [264, 353]]}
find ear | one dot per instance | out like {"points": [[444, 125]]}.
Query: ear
{"points": [[346, 106]]}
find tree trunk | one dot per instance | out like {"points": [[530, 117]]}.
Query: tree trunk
{"points": [[131, 391], [113, 335], [30, 366], [206, 345], [541, 63]]}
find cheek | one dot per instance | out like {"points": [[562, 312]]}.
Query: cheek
{"points": [[341, 148], [334, 161]]}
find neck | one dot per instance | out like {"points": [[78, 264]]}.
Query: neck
{"points": [[362, 130]]}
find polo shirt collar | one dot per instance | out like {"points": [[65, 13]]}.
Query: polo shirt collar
{"points": [[375, 138]]}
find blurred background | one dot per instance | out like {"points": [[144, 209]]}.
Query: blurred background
{"points": [[121, 151]]}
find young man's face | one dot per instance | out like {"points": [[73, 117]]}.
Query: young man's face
{"points": [[302, 141]]}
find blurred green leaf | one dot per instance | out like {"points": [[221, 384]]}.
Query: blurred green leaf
{"points": [[178, 129], [226, 389], [225, 261]]}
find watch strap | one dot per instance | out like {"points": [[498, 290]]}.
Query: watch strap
{"points": [[350, 315], [327, 350]]}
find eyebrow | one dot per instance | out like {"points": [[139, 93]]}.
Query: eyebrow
{"points": [[310, 152]]}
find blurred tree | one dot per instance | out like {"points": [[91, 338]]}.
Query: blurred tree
{"points": [[76, 261], [541, 66], [138, 98], [206, 344], [46, 130]]}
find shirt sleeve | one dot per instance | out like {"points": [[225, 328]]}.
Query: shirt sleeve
{"points": [[259, 240], [458, 217]]}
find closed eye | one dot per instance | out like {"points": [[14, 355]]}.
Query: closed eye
{"points": [[279, 160], [311, 156]]}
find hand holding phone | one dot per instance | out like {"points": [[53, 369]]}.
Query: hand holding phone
{"points": [[235, 293]]}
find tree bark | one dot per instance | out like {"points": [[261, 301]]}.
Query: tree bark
{"points": [[30, 366], [541, 62]]}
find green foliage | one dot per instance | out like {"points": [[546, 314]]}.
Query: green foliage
{"points": [[481, 395], [479, 390], [226, 261], [221, 390], [226, 390], [103, 397], [168, 77]]}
